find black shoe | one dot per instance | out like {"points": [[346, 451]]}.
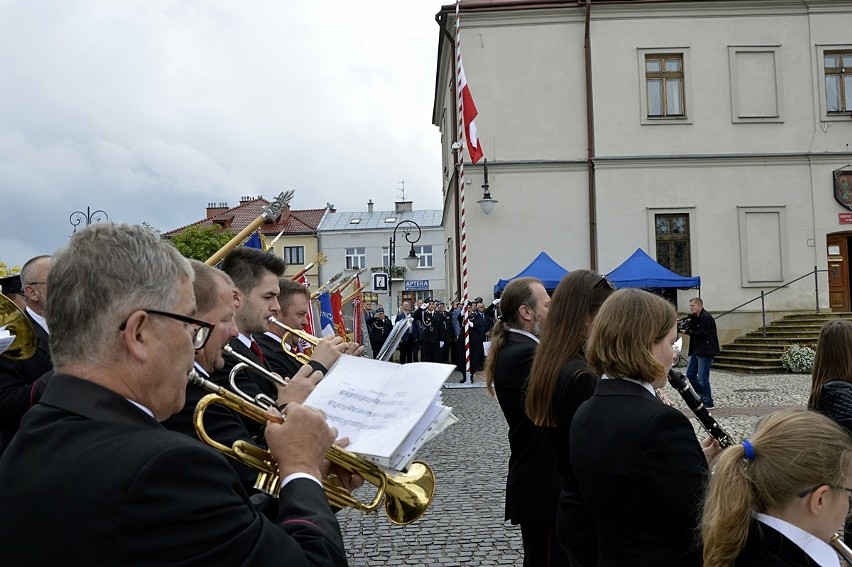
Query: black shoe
{"points": [[709, 406], [463, 380]]}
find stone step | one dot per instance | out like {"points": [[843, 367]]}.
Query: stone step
{"points": [[747, 368]]}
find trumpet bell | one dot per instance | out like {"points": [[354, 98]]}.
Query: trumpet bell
{"points": [[408, 494], [18, 324]]}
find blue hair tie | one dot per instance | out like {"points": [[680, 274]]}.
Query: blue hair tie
{"points": [[748, 449]]}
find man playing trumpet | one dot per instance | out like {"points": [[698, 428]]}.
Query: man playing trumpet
{"points": [[123, 337]]}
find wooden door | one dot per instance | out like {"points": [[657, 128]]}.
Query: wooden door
{"points": [[838, 265]]}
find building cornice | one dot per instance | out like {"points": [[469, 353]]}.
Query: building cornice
{"points": [[742, 160]]}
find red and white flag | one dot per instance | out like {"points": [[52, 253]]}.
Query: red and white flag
{"points": [[474, 147]]}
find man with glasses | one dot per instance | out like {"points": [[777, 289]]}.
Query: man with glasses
{"points": [[17, 378], [124, 333]]}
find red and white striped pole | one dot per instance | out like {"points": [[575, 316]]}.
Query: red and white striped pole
{"points": [[460, 165]]}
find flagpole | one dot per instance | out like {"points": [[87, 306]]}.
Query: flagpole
{"points": [[301, 272], [461, 185], [323, 287]]}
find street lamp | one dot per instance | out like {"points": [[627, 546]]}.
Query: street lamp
{"points": [[78, 217], [486, 202], [411, 260]]}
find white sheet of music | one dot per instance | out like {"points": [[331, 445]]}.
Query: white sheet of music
{"points": [[387, 410]]}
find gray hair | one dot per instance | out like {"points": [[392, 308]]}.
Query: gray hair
{"points": [[106, 272]]}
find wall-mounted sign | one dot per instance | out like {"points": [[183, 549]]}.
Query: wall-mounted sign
{"points": [[844, 218], [380, 281], [843, 188], [416, 285]]}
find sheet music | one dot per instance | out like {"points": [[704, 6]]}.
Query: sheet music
{"points": [[394, 338], [387, 410]]}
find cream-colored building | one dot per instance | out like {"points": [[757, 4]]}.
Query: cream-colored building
{"points": [[708, 137]]}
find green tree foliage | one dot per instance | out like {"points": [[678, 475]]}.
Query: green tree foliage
{"points": [[6, 270], [201, 242]]}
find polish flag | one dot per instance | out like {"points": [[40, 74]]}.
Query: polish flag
{"points": [[474, 147]]}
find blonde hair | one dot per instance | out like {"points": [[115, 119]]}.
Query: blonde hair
{"points": [[625, 330], [793, 450], [832, 360]]}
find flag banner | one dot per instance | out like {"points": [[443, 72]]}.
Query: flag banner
{"points": [[326, 317], [310, 314], [254, 241], [337, 314], [474, 146], [358, 314]]}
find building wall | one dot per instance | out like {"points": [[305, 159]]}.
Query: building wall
{"points": [[310, 242], [334, 244], [756, 184]]}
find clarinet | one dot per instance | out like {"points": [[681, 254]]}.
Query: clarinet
{"points": [[693, 400]]}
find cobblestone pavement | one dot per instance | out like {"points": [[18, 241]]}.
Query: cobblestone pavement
{"points": [[464, 525]]}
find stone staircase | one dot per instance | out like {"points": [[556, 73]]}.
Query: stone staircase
{"points": [[754, 353]]}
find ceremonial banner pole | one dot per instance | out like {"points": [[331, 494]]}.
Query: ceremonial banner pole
{"points": [[461, 185]]}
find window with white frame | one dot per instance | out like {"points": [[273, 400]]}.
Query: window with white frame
{"points": [[665, 85], [424, 255], [385, 257], [356, 258], [294, 255]]}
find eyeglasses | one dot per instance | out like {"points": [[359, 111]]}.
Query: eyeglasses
{"points": [[201, 329], [804, 493]]}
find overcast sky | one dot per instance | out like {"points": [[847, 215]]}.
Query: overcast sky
{"points": [[150, 109]]}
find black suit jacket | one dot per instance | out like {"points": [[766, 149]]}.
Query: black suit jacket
{"points": [[642, 473], [247, 380], [112, 487], [532, 485], [17, 380], [434, 328], [767, 547], [278, 360]]}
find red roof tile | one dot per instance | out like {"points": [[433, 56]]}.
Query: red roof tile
{"points": [[291, 221]]}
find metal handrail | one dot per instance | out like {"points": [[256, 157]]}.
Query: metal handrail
{"points": [[763, 294]]}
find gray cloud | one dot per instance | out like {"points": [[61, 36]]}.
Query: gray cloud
{"points": [[151, 109]]}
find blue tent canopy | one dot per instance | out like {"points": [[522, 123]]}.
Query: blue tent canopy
{"points": [[544, 268], [640, 270]]}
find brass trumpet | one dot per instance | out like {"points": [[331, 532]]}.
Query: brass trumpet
{"points": [[841, 548], [406, 495], [17, 323], [291, 332], [261, 399]]}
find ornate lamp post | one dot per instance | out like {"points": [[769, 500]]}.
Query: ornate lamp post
{"points": [[486, 202], [411, 261], [79, 217]]}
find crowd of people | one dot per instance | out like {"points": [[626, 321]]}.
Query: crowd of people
{"points": [[602, 472], [437, 333], [99, 427]]}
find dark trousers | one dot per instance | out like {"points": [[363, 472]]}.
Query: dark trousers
{"points": [[377, 346], [406, 350], [540, 546], [477, 356], [431, 352]]}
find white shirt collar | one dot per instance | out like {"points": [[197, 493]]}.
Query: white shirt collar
{"points": [[201, 370], [525, 333], [816, 549], [143, 408], [38, 319], [245, 340], [645, 385]]}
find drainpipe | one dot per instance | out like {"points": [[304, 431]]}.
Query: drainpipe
{"points": [[590, 129], [441, 19]]}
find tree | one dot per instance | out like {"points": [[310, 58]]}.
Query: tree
{"points": [[201, 242], [5, 270]]}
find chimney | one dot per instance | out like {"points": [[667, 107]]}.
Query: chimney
{"points": [[370, 206], [403, 206], [245, 199], [214, 209]]}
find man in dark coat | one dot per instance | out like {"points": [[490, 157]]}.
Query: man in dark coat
{"points": [[123, 342], [703, 346], [532, 484], [18, 377], [379, 327], [434, 331], [410, 338]]}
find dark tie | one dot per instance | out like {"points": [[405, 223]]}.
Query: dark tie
{"points": [[255, 348]]}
